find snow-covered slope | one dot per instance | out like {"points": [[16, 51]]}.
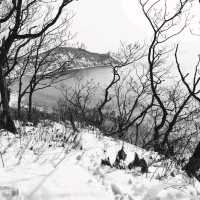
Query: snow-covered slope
{"points": [[49, 162]]}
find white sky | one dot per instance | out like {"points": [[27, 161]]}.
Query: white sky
{"points": [[102, 24]]}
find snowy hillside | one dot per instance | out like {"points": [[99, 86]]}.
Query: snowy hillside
{"points": [[51, 163]]}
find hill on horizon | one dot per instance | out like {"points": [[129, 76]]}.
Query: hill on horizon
{"points": [[76, 58]]}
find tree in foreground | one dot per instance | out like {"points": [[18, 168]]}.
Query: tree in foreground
{"points": [[166, 23], [21, 22]]}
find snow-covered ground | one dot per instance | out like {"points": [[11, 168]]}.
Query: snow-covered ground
{"points": [[41, 165]]}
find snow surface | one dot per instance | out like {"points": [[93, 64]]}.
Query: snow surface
{"points": [[40, 166]]}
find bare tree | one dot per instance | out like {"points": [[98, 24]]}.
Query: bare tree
{"points": [[21, 17], [133, 99], [78, 103], [193, 88], [165, 24], [41, 69], [127, 55]]}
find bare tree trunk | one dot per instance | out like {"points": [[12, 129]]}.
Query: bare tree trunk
{"points": [[194, 163], [5, 119], [136, 134], [72, 122], [7, 122], [115, 79], [156, 137], [19, 100], [19, 107], [30, 103]]}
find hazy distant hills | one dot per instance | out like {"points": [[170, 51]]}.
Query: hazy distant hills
{"points": [[77, 58], [85, 56]]}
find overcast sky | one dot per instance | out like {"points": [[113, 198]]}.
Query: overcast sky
{"points": [[102, 24]]}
